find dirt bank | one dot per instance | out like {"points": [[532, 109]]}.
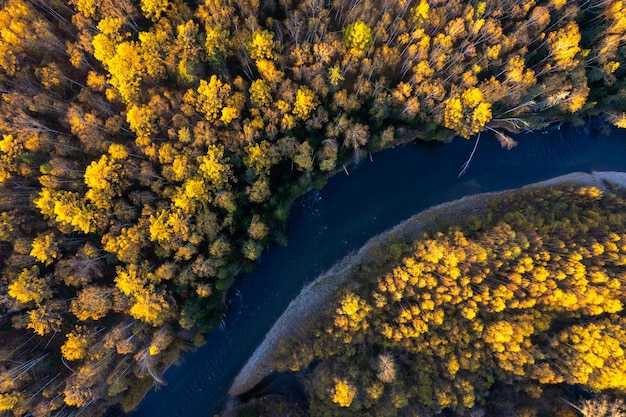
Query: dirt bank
{"points": [[315, 295]]}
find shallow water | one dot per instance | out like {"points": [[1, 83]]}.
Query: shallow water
{"points": [[326, 225]]}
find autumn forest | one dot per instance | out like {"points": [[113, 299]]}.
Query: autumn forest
{"points": [[151, 149], [520, 302]]}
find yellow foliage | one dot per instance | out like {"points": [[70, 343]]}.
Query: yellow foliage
{"points": [[153, 9], [9, 400], [305, 103], [45, 248], [91, 303], [229, 114], [420, 13], [129, 279], [44, 320], [214, 169], [212, 97], [268, 71], [453, 113], [480, 117], [75, 346], [352, 313], [29, 286], [472, 97], [564, 44], [150, 307], [335, 76], [343, 392], [262, 45], [358, 37], [260, 93]]}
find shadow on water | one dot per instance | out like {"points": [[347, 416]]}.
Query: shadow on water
{"points": [[285, 384], [326, 225]]}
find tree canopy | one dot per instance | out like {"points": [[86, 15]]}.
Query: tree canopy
{"points": [[151, 149], [527, 293]]}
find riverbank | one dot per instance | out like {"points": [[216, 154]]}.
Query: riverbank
{"points": [[314, 296]]}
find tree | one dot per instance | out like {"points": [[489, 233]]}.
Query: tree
{"points": [[29, 286], [151, 307], [356, 136], [305, 103], [262, 46], [260, 157], [216, 45], [304, 156], [564, 45], [153, 9], [142, 120], [358, 37], [45, 248], [602, 407], [154, 46], [260, 93], [92, 302], [46, 318], [76, 343], [343, 393], [215, 169], [211, 98], [106, 178], [82, 388]]}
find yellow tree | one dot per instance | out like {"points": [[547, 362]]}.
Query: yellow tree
{"points": [[154, 45], [106, 178], [46, 318], [153, 9], [260, 93], [45, 248], [262, 45], [305, 103], [215, 169], [467, 114], [29, 286], [151, 306], [343, 392], [358, 37], [92, 302], [142, 120], [261, 157], [216, 44], [564, 44], [76, 344], [211, 98]]}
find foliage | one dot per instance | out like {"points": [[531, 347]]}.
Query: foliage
{"points": [[528, 292], [151, 149]]}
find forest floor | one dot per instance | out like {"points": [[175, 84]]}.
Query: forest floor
{"points": [[314, 296]]}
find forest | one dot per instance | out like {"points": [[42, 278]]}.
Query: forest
{"points": [[515, 310], [150, 150]]}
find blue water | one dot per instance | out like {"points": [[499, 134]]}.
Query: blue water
{"points": [[326, 225]]}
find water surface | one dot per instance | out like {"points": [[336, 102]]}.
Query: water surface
{"points": [[326, 225]]}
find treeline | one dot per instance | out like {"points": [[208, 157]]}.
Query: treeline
{"points": [[526, 296], [150, 149]]}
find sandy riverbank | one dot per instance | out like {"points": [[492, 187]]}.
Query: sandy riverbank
{"points": [[315, 295]]}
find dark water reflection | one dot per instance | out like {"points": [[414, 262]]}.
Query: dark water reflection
{"points": [[328, 224]]}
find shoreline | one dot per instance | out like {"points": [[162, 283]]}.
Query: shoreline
{"points": [[314, 295]]}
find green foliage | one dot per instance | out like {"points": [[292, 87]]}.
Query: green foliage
{"points": [[248, 411]]}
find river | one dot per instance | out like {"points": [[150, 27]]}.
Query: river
{"points": [[326, 225]]}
